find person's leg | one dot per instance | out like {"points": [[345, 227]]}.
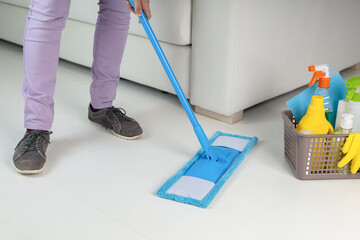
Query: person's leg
{"points": [[109, 42], [45, 22]]}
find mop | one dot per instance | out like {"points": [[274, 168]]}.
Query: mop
{"points": [[201, 178]]}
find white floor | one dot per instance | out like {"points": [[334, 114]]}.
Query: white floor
{"points": [[97, 186]]}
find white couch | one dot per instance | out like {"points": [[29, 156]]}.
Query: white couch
{"points": [[228, 55]]}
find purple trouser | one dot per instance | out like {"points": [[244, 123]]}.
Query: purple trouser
{"points": [[46, 20]]}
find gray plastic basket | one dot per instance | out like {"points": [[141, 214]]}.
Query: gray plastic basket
{"points": [[314, 156]]}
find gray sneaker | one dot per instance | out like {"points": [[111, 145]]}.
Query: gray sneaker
{"points": [[29, 156], [117, 122]]}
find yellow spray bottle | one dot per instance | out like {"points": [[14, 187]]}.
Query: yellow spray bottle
{"points": [[314, 119]]}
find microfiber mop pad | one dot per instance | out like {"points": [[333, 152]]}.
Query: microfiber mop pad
{"points": [[200, 179]]}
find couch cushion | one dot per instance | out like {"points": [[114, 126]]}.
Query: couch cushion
{"points": [[171, 19]]}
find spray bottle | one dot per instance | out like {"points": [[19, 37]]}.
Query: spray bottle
{"points": [[353, 96], [322, 73]]}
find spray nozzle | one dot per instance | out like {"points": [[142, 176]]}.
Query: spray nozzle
{"points": [[321, 73], [353, 93]]}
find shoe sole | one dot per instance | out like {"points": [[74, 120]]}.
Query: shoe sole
{"points": [[114, 133], [30, 172]]}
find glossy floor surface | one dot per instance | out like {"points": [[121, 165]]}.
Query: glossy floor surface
{"points": [[97, 186]]}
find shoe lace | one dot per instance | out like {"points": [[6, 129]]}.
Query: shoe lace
{"points": [[33, 140], [114, 114]]}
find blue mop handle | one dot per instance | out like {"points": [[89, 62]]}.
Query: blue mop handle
{"points": [[197, 128]]}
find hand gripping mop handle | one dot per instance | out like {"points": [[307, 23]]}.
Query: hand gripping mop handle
{"points": [[197, 128]]}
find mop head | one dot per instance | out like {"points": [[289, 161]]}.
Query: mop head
{"points": [[200, 179]]}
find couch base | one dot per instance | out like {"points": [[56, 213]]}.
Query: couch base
{"points": [[228, 119], [355, 67]]}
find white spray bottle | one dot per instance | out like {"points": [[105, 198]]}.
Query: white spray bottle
{"points": [[353, 96]]}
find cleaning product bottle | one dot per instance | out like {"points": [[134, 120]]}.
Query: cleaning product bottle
{"points": [[314, 119], [346, 123], [342, 108], [321, 72], [353, 96]]}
